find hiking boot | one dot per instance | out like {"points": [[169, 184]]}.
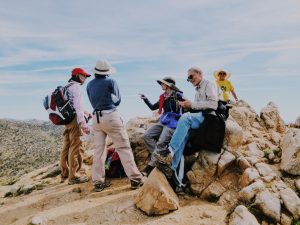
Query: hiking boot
{"points": [[147, 170], [99, 187], [164, 156], [78, 180], [63, 179], [165, 169], [136, 184]]}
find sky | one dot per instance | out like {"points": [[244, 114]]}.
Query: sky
{"points": [[257, 41]]}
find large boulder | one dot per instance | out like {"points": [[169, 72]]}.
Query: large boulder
{"points": [[272, 119], [203, 171], [241, 215], [156, 196], [290, 158], [233, 135], [297, 122], [243, 114]]}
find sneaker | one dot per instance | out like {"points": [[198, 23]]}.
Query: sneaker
{"points": [[165, 169], [147, 170], [78, 180], [136, 184], [99, 187], [164, 156]]}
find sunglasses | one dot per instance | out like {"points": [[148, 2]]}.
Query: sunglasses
{"points": [[222, 73], [190, 78]]}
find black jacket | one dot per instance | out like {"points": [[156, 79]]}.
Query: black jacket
{"points": [[209, 136], [170, 104]]}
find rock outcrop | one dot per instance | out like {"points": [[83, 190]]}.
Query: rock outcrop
{"points": [[156, 196]]}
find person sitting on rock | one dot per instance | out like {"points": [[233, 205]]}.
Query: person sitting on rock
{"points": [[225, 85], [206, 98], [158, 136]]}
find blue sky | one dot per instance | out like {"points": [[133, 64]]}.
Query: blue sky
{"points": [[42, 41]]}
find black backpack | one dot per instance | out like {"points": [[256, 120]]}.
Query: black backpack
{"points": [[59, 106], [210, 135]]}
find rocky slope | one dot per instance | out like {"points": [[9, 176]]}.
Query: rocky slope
{"points": [[26, 146], [254, 180]]}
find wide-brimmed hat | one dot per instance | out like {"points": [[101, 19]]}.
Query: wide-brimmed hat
{"points": [[103, 67], [216, 74], [170, 82], [76, 71]]}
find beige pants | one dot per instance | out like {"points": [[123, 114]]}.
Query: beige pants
{"points": [[71, 150], [112, 125]]}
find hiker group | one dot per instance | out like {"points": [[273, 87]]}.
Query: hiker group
{"points": [[167, 140]]}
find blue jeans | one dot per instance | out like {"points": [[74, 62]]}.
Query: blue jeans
{"points": [[181, 135]]}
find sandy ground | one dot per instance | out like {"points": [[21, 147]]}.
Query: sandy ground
{"points": [[62, 204]]}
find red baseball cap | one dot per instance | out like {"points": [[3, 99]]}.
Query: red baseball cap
{"points": [[76, 71]]}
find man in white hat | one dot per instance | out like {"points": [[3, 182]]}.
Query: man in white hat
{"points": [[103, 93], [206, 99]]}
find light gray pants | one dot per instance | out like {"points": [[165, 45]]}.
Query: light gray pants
{"points": [[157, 138], [112, 125]]}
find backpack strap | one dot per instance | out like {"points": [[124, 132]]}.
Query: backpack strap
{"points": [[69, 85]]}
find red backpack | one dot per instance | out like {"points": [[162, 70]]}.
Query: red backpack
{"points": [[59, 106], [113, 165]]}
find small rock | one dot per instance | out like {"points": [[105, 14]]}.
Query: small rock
{"points": [[77, 190], [243, 163], [248, 193], [291, 201], [297, 184], [240, 215], [285, 219], [37, 220], [269, 204], [28, 189], [207, 214], [53, 172]]}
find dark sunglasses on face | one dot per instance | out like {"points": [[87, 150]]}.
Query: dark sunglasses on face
{"points": [[222, 73], [190, 78]]}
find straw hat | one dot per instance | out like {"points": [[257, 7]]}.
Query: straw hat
{"points": [[216, 74]]}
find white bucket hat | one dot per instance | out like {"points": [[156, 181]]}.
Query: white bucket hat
{"points": [[103, 67]]}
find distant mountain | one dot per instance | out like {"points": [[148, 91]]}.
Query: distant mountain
{"points": [[28, 145]]}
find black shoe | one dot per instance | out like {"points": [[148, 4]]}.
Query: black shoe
{"points": [[136, 184], [147, 170], [99, 187], [165, 169], [163, 157]]}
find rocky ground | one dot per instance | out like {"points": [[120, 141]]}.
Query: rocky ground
{"points": [[254, 180]]}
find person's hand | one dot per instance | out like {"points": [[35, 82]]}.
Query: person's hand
{"points": [[142, 96], [85, 128], [90, 116], [187, 104]]}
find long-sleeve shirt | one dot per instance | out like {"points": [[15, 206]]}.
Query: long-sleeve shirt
{"points": [[103, 93], [170, 104], [206, 96], [77, 99]]}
